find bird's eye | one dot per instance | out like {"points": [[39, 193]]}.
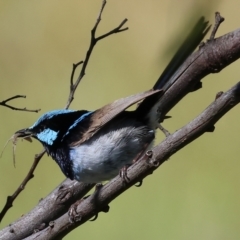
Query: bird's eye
{"points": [[41, 128]]}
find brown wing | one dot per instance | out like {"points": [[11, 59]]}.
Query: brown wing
{"points": [[103, 115]]}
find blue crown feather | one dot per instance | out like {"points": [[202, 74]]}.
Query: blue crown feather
{"points": [[50, 115], [79, 120]]}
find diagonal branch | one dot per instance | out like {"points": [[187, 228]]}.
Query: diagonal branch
{"points": [[199, 64], [145, 166], [49, 208], [30, 175], [211, 57]]}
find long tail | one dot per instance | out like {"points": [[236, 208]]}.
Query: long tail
{"points": [[149, 105]]}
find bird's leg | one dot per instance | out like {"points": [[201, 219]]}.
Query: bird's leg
{"points": [[164, 130], [123, 171], [65, 193], [105, 208], [75, 216]]}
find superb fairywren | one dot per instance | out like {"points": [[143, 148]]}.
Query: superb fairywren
{"points": [[92, 146]]}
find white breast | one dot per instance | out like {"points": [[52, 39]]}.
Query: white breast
{"points": [[100, 158]]}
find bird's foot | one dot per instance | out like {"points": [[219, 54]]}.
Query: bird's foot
{"points": [[64, 194], [123, 174], [73, 214], [139, 184], [164, 130], [98, 186], [104, 209]]}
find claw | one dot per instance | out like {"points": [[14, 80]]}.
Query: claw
{"points": [[139, 184], [73, 215], [105, 209], [98, 186], [94, 218], [123, 174], [64, 194]]}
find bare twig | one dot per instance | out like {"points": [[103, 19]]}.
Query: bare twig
{"points": [[4, 103], [218, 20], [93, 42], [73, 71], [73, 87], [30, 175]]}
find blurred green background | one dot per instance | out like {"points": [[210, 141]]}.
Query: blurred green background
{"points": [[194, 195]]}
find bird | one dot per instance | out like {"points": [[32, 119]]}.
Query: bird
{"points": [[93, 146]]}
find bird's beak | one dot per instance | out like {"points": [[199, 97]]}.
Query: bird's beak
{"points": [[25, 134]]}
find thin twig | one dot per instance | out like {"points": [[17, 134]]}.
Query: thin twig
{"points": [[73, 87], [93, 42], [30, 175], [218, 20], [4, 103], [115, 30], [75, 65]]}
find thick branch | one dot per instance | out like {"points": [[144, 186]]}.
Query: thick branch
{"points": [[49, 208], [214, 55], [150, 162]]}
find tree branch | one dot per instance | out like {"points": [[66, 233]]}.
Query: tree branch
{"points": [[145, 166], [212, 57], [49, 220], [30, 175], [73, 87], [93, 42], [198, 65], [4, 104]]}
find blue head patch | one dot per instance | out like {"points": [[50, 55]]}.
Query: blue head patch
{"points": [[53, 126], [50, 115], [47, 136]]}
